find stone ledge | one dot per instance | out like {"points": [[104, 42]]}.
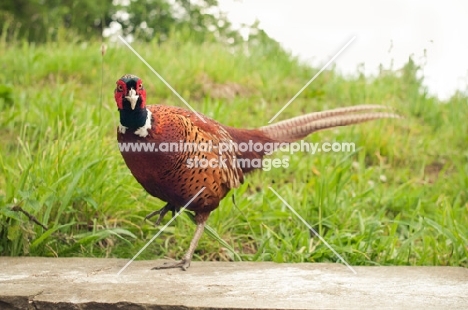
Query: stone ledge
{"points": [[87, 283]]}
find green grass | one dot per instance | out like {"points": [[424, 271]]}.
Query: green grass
{"points": [[400, 199]]}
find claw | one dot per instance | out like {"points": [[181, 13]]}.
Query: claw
{"points": [[184, 264], [162, 212]]}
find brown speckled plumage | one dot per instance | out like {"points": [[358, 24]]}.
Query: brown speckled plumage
{"points": [[167, 176]]}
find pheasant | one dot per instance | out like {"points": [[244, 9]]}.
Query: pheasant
{"points": [[168, 175]]}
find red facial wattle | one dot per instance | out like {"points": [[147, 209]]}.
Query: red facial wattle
{"points": [[119, 93], [142, 93]]}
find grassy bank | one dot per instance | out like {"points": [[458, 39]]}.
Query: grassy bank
{"points": [[400, 199]]}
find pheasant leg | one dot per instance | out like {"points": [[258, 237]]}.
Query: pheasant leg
{"points": [[185, 262]]}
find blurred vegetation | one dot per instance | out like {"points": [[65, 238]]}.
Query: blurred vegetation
{"points": [[400, 199], [42, 20]]}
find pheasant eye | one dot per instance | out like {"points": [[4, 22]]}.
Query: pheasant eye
{"points": [[119, 87], [140, 86]]}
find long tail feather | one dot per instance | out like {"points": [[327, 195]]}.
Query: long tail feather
{"points": [[301, 126]]}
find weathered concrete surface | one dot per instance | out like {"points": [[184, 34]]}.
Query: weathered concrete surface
{"points": [[83, 283]]}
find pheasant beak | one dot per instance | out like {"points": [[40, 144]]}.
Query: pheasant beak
{"points": [[132, 97]]}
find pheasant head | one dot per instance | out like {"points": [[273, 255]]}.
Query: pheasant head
{"points": [[130, 97]]}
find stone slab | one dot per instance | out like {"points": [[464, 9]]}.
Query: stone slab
{"points": [[88, 283]]}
